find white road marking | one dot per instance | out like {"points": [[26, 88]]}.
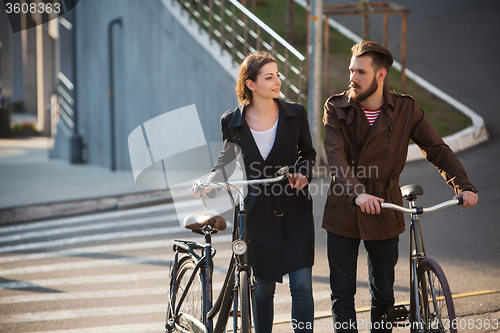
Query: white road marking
{"points": [[86, 250]]}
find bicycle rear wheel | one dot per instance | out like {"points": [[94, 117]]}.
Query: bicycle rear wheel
{"points": [[192, 304], [436, 310]]}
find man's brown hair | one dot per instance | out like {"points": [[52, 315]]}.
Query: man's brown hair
{"points": [[381, 57]]}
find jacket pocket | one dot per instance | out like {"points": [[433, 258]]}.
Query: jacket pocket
{"points": [[335, 193], [397, 199]]}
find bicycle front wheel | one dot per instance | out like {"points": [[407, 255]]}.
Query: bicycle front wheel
{"points": [[436, 312], [246, 323], [193, 301]]}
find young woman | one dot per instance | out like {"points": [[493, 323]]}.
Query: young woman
{"points": [[272, 133]]}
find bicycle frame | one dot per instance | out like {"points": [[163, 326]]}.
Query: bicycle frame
{"points": [[417, 255], [239, 262]]}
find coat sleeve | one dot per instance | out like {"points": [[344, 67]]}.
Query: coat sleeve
{"points": [[335, 146], [437, 152], [307, 153], [226, 162]]}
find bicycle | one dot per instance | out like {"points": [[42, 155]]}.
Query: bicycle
{"points": [[431, 302], [190, 307]]}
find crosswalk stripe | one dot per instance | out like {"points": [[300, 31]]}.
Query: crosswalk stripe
{"points": [[93, 238], [162, 274], [89, 227], [82, 313], [162, 260], [83, 251], [83, 295], [88, 218], [81, 280], [92, 294], [136, 328]]}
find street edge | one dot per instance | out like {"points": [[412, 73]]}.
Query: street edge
{"points": [[28, 213]]}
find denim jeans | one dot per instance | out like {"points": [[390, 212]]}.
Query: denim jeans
{"points": [[342, 257], [302, 301]]}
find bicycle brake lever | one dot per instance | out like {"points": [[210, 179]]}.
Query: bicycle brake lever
{"points": [[203, 203]]}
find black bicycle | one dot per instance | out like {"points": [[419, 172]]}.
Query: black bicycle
{"points": [[190, 307], [431, 302]]}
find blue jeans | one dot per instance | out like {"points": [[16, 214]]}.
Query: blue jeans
{"points": [[342, 258], [302, 301]]}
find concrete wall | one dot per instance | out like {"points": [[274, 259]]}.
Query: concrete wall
{"points": [[11, 60], [159, 66]]}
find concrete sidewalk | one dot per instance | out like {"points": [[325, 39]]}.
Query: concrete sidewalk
{"points": [[33, 186]]}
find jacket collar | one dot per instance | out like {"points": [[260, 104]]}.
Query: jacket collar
{"points": [[352, 110], [284, 133], [238, 118], [347, 100]]}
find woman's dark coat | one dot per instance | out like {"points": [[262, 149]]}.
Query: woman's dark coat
{"points": [[280, 221]]}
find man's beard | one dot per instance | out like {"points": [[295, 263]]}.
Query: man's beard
{"points": [[361, 96]]}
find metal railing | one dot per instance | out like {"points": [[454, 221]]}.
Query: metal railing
{"points": [[238, 31]]}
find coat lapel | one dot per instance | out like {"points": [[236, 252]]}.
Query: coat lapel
{"points": [[284, 133], [243, 137], [384, 119]]}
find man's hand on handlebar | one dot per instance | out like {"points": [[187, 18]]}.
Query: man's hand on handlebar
{"points": [[368, 203], [469, 198]]}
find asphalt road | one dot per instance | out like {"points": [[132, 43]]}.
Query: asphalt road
{"points": [[108, 272]]}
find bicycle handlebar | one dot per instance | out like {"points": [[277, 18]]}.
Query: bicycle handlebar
{"points": [[421, 210], [199, 185]]}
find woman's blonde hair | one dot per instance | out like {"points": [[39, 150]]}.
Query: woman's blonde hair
{"points": [[249, 70]]}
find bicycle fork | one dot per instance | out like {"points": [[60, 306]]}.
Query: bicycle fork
{"points": [[417, 254]]}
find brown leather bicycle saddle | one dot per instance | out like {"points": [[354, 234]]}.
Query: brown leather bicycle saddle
{"points": [[198, 221]]}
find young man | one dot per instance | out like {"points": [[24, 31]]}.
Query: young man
{"points": [[367, 130]]}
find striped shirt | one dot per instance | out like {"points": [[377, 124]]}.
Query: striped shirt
{"points": [[371, 115]]}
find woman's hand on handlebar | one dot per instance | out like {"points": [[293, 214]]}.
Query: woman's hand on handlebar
{"points": [[368, 203], [195, 189], [469, 198], [299, 181]]}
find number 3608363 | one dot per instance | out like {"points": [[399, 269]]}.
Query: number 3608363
{"points": [[32, 8]]}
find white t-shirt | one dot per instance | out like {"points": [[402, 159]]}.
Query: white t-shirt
{"points": [[265, 139]]}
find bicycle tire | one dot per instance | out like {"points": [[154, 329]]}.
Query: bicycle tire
{"points": [[436, 310], [193, 303], [244, 295]]}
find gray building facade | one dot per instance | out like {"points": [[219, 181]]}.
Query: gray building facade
{"points": [[152, 59]]}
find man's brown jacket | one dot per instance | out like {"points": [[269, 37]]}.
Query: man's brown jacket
{"points": [[364, 158]]}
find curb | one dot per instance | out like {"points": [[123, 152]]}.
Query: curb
{"points": [[28, 213]]}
